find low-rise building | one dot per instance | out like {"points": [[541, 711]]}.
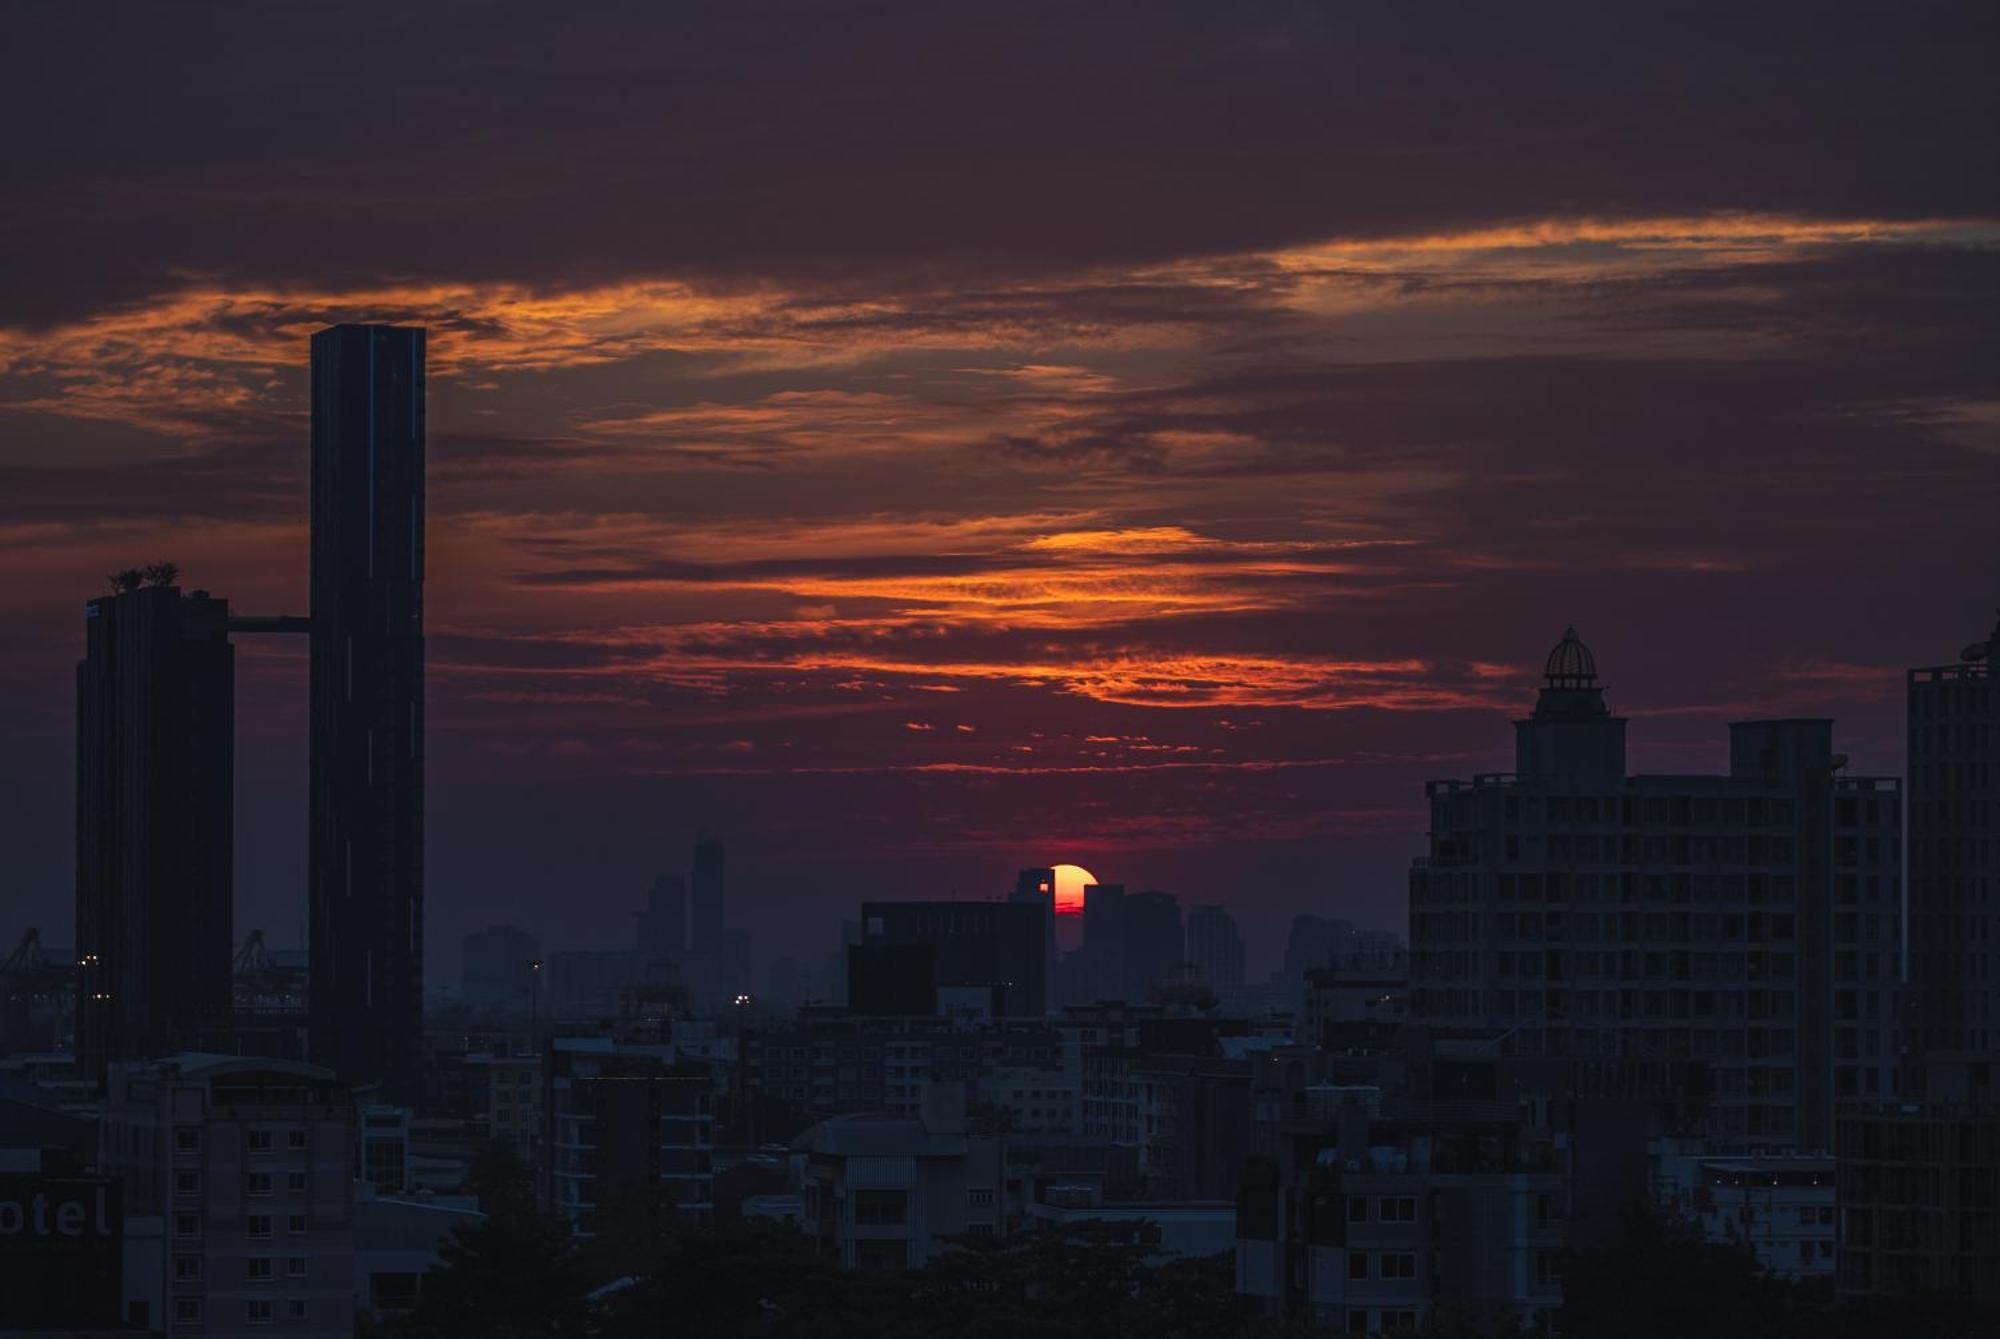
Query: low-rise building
{"points": [[1919, 1188], [1364, 1225], [1780, 1207], [885, 1192], [630, 1136], [238, 1177]]}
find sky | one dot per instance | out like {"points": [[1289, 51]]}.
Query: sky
{"points": [[918, 441]]}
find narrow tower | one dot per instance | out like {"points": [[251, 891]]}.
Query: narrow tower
{"points": [[366, 857]]}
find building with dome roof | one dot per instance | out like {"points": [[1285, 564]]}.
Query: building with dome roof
{"points": [[1744, 926]]}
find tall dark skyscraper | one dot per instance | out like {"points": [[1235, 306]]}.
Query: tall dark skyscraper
{"points": [[366, 860], [1954, 786], [155, 789], [705, 918]]}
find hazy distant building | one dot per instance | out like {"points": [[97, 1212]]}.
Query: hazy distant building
{"points": [[1104, 941], [993, 944], [591, 983], [497, 969], [1155, 942], [1954, 790], [1215, 947], [366, 829], [155, 795], [707, 913], [1748, 922], [663, 925]]}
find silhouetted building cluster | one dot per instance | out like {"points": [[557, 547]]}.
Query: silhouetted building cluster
{"points": [[1711, 997]]}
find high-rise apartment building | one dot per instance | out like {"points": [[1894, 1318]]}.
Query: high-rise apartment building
{"points": [[155, 790], [1954, 786], [1749, 921], [366, 836], [1215, 947]]}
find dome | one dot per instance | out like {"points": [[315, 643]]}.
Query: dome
{"points": [[1570, 664]]}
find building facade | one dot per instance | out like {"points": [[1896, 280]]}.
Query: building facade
{"points": [[365, 860], [155, 798], [1954, 782], [238, 1178], [1749, 921], [629, 1134]]}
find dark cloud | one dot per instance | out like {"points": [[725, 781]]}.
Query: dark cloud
{"points": [[803, 141]]}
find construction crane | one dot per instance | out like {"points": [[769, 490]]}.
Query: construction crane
{"points": [[263, 984], [35, 993]]}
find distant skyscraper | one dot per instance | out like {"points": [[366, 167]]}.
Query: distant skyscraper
{"points": [[366, 859], [1104, 941], [1155, 943], [663, 930], [1215, 947], [155, 792], [1748, 923], [1954, 786], [707, 913]]}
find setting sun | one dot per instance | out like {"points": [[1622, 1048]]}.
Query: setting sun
{"points": [[1071, 880]]}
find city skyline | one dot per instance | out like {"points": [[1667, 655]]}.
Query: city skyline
{"points": [[1182, 516], [819, 668]]}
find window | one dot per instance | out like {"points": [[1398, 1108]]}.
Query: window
{"points": [[259, 1312], [260, 1141], [187, 1183], [187, 1269], [979, 1199], [257, 1224], [1399, 1265], [187, 1141], [295, 1267], [295, 1139], [1357, 1322], [1357, 1208], [1357, 1265], [1548, 1267], [1398, 1209], [187, 1310], [295, 1222], [880, 1207], [295, 1309], [295, 1181], [1398, 1322], [260, 1183], [259, 1268], [187, 1225]]}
